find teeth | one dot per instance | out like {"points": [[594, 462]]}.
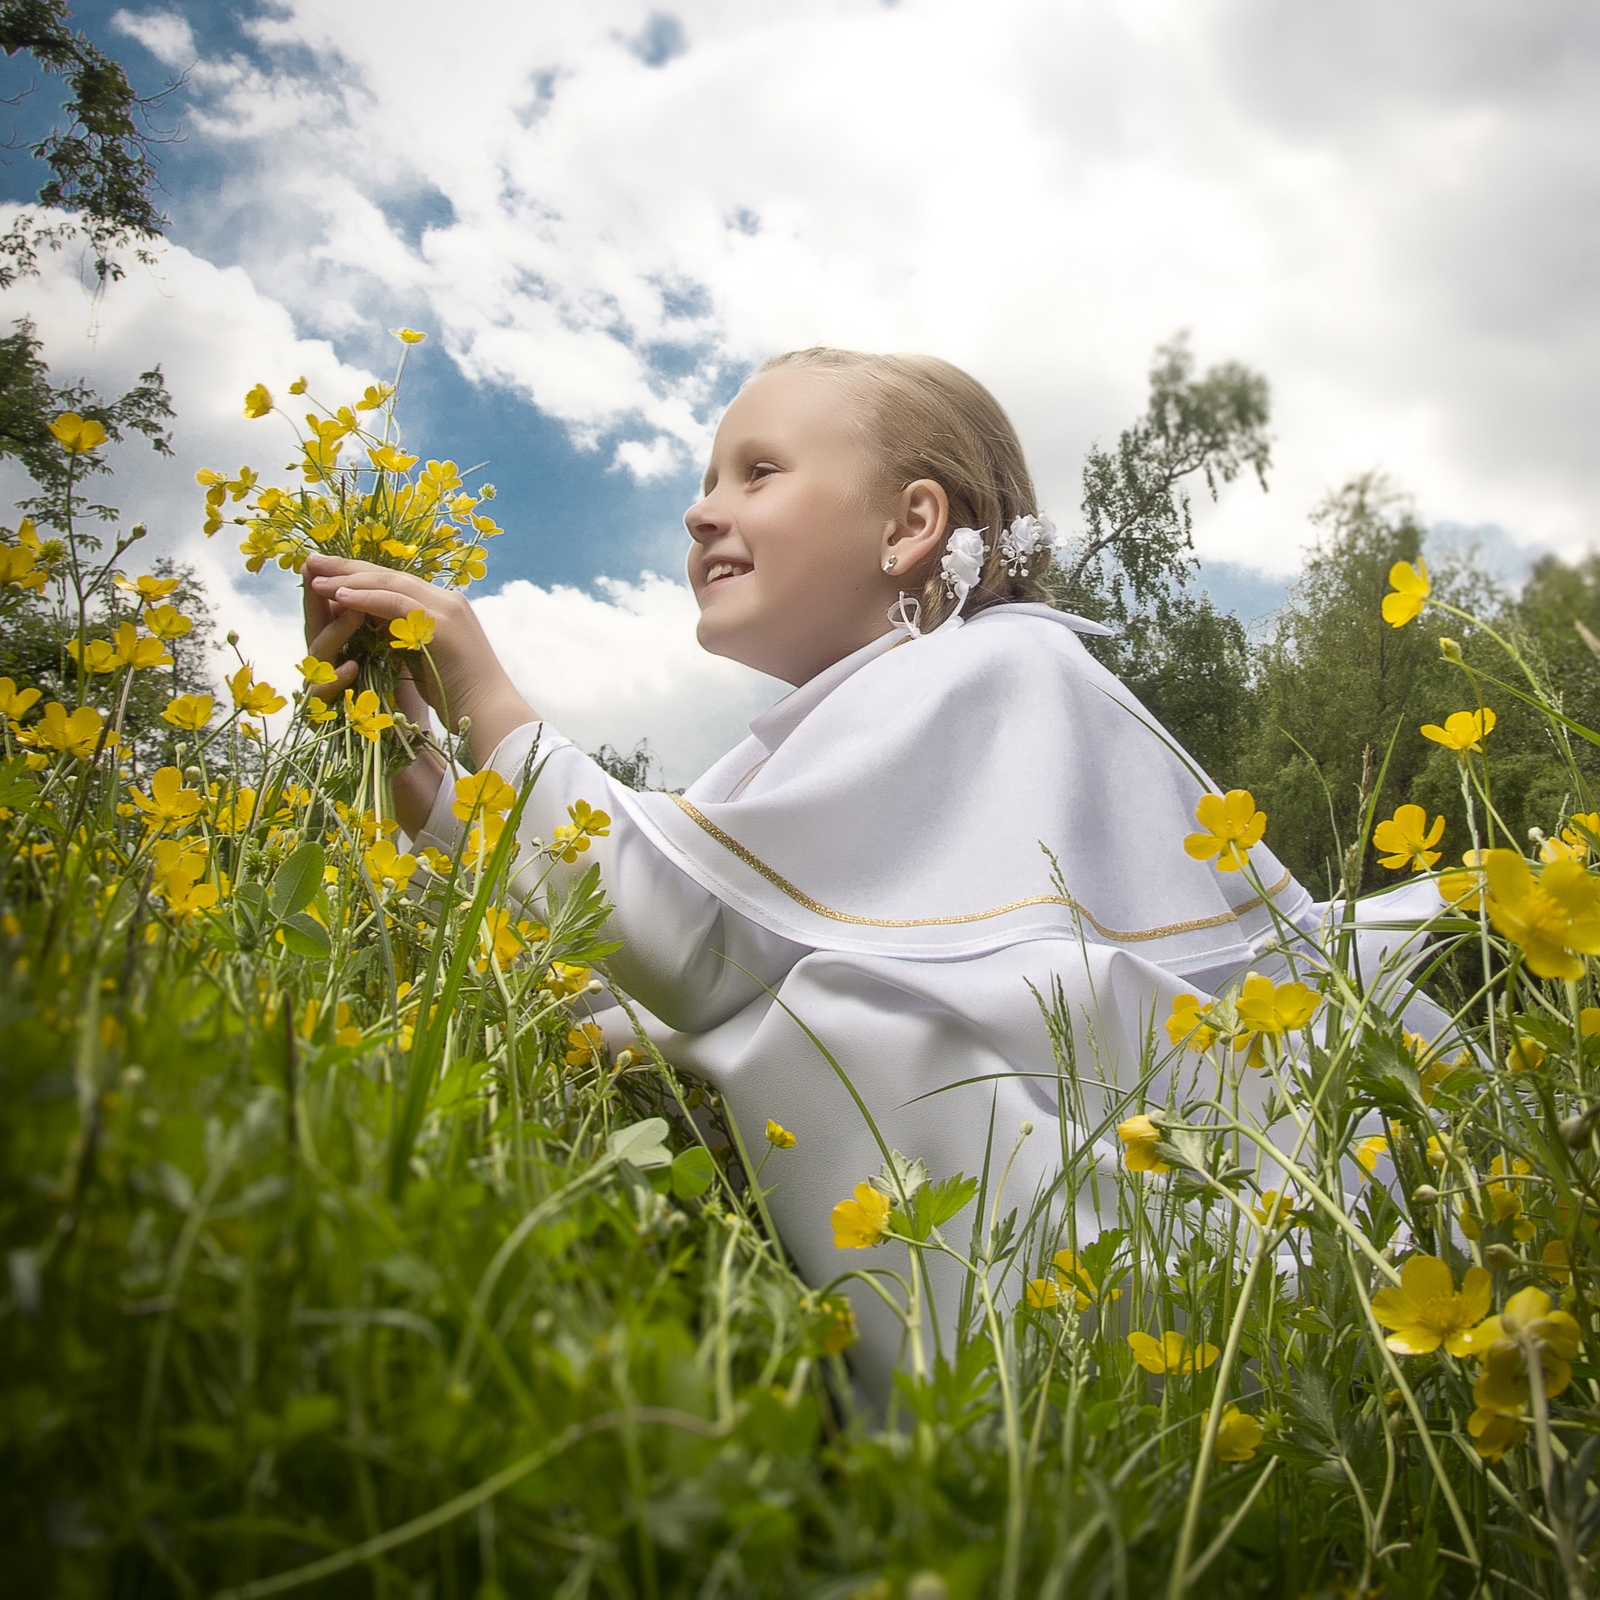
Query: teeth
{"points": [[722, 569]]}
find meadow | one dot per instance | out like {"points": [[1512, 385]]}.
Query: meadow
{"points": [[344, 1258]]}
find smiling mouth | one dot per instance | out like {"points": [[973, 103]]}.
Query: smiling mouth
{"points": [[726, 569]]}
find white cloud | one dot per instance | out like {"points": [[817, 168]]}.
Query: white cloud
{"points": [[612, 668], [1385, 216], [625, 667], [165, 34]]}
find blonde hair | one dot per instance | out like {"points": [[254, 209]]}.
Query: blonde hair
{"points": [[925, 418]]}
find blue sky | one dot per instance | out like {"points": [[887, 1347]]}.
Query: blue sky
{"points": [[605, 215], [570, 514]]}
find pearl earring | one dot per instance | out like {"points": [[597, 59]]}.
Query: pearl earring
{"points": [[891, 563]]}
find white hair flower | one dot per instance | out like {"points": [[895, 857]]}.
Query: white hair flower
{"points": [[1027, 538], [962, 563]]}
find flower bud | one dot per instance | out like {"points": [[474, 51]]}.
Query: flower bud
{"points": [[1501, 1256], [464, 726], [1025, 1129], [594, 986], [1425, 1195], [137, 531], [1576, 1131], [1449, 649], [191, 774], [232, 637], [180, 750]]}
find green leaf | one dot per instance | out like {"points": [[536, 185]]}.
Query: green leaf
{"points": [[297, 881], [642, 1144], [305, 936], [17, 787], [692, 1173], [941, 1201]]}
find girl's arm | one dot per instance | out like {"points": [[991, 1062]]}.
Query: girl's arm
{"points": [[685, 957], [462, 676]]}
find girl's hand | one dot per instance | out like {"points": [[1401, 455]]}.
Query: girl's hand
{"points": [[460, 676]]}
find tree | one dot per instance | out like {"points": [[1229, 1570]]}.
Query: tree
{"points": [[1132, 565], [30, 402], [1137, 548], [101, 165], [1337, 683]]}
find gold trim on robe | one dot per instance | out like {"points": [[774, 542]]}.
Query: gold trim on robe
{"points": [[1115, 935]]}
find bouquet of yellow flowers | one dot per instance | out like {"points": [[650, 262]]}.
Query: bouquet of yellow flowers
{"points": [[360, 495]]}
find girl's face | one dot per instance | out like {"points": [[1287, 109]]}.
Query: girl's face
{"points": [[789, 542]]}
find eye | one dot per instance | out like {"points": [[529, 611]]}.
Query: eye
{"points": [[761, 469]]}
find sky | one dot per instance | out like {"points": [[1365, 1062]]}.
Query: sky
{"points": [[605, 215]]}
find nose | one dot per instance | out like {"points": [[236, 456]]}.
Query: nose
{"points": [[704, 521]]}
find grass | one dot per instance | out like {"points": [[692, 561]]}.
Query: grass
{"points": [[343, 1261]]}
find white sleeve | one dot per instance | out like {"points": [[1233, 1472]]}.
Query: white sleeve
{"points": [[682, 948]]}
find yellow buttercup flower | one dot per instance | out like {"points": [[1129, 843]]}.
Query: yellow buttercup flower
{"points": [[483, 792], [1275, 1008], [148, 587], [74, 735], [1238, 1435], [1463, 891], [1556, 1260], [1462, 730], [860, 1223], [366, 714], [1172, 1354], [252, 698], [77, 435], [258, 402], [1410, 590], [374, 396], [570, 840], [137, 653], [1367, 1152], [779, 1136], [391, 459], [1275, 1209], [1525, 1055], [15, 702], [1186, 1024], [498, 937], [97, 655], [412, 631], [191, 712], [408, 335], [233, 813], [1502, 1344], [1408, 839], [317, 673], [1073, 1276], [387, 865], [1426, 1311], [1232, 826], [1494, 1433], [584, 1044], [1505, 1198], [1554, 918], [167, 622], [1140, 1136], [1041, 1294], [169, 804]]}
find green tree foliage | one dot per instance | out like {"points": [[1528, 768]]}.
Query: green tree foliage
{"points": [[101, 164], [30, 402], [1336, 683], [1133, 562]]}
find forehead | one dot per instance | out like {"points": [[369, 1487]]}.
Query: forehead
{"points": [[791, 409]]}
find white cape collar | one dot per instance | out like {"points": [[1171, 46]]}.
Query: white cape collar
{"points": [[778, 721]]}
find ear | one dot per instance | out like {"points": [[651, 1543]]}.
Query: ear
{"points": [[921, 525]]}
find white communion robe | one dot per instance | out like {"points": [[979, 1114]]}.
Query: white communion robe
{"points": [[872, 861]]}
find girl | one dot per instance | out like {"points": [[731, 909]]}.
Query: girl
{"points": [[956, 803]]}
